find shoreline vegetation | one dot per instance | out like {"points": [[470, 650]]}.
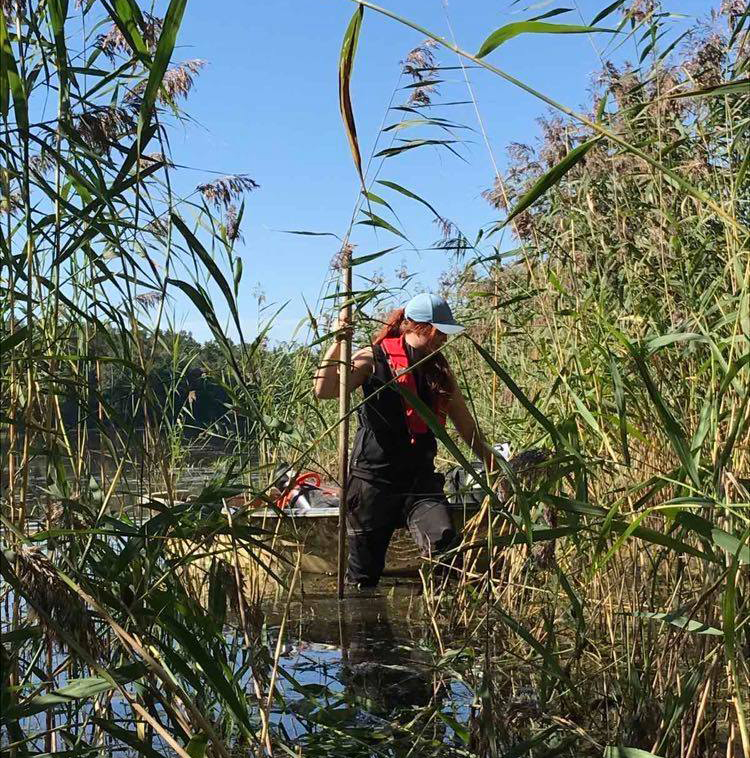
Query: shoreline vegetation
{"points": [[602, 604]]}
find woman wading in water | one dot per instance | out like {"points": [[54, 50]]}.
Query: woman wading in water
{"points": [[392, 477]]}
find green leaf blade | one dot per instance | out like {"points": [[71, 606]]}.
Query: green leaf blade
{"points": [[551, 178], [162, 56], [509, 31]]}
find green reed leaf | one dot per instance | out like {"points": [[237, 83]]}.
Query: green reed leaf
{"points": [[237, 275], [373, 198], [656, 343], [128, 19], [538, 534], [458, 729], [735, 87], [524, 749], [439, 431], [372, 256], [734, 368], [390, 152], [729, 610], [14, 84], [76, 689], [670, 425], [621, 405], [200, 300], [714, 536], [346, 65], [504, 33], [544, 422], [551, 178], [409, 194], [13, 340], [606, 12], [635, 529], [736, 547], [202, 656], [439, 122], [681, 622], [127, 737], [585, 413], [735, 435], [58, 10], [548, 656], [4, 78], [377, 221], [196, 748], [197, 248], [162, 56], [304, 233], [551, 13]]}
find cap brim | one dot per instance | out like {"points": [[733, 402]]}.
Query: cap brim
{"points": [[449, 328]]}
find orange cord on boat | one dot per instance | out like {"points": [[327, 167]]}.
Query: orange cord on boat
{"points": [[309, 478]]}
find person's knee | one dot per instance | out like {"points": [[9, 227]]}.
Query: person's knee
{"points": [[432, 528], [448, 540]]}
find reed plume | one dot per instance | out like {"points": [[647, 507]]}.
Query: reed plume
{"points": [[61, 607]]}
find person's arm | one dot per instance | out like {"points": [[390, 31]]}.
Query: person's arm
{"points": [[326, 384], [466, 426]]}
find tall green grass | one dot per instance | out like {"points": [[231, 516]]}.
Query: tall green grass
{"points": [[101, 633], [602, 608], [617, 334]]}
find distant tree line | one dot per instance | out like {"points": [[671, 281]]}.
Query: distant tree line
{"points": [[187, 381]]}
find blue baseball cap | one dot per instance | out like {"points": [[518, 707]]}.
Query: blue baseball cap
{"points": [[432, 309]]}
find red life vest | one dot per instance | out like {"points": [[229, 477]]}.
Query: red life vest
{"points": [[395, 352]]}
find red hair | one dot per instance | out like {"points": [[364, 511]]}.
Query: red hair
{"points": [[435, 369]]}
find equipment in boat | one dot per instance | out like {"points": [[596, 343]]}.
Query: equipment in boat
{"points": [[303, 491]]}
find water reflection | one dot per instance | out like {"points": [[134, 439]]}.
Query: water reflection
{"points": [[364, 663], [377, 667]]}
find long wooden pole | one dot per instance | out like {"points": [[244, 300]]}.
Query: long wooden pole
{"points": [[345, 360]]}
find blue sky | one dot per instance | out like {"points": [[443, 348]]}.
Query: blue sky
{"points": [[266, 105]]}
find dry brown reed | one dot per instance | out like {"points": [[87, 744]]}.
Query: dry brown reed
{"points": [[420, 66], [179, 80], [100, 128], [113, 41], [53, 602], [232, 224], [176, 84]]}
